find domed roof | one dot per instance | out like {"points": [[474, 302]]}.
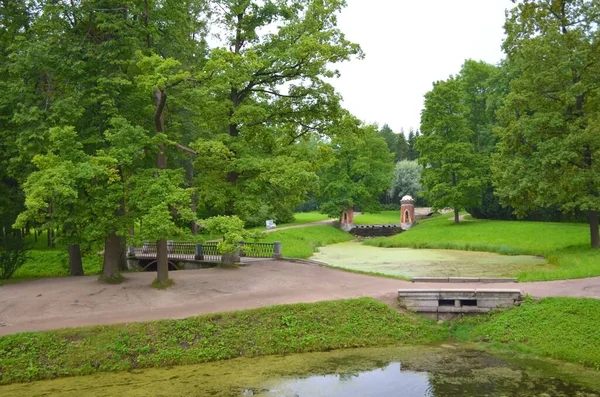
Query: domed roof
{"points": [[407, 198]]}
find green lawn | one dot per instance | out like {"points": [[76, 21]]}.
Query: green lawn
{"points": [[300, 218], [303, 242], [565, 245], [567, 329], [383, 217], [285, 329]]}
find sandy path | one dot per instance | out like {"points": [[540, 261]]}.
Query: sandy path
{"points": [[70, 302]]}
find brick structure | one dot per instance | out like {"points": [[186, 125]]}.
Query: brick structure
{"points": [[347, 220], [407, 212]]}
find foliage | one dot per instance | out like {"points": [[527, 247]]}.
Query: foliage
{"points": [[559, 328], [303, 242], [232, 230], [548, 134], [412, 151], [396, 142], [406, 179], [357, 169], [13, 255], [563, 244], [266, 105], [285, 329], [452, 174]]}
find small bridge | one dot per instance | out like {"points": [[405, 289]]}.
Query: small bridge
{"points": [[193, 254]]}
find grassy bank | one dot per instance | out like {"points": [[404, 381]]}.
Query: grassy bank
{"points": [[303, 242], [380, 218], [274, 330], [565, 245], [566, 329]]}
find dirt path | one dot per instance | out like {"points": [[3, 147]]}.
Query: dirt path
{"points": [[70, 302], [327, 222]]}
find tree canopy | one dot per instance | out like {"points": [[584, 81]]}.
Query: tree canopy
{"points": [[549, 139]]}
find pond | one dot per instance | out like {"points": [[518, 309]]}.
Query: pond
{"points": [[423, 371], [409, 262]]}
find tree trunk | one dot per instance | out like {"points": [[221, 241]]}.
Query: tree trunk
{"points": [[162, 261], [75, 262], [594, 233], [456, 215], [122, 253], [110, 268]]}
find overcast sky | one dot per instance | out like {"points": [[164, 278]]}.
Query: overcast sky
{"points": [[408, 46]]}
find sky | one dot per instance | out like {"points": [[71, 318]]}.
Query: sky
{"points": [[409, 44]]}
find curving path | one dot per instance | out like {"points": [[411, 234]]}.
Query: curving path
{"points": [[70, 302]]}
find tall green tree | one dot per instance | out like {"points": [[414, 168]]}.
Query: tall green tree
{"points": [[452, 176], [477, 80], [268, 94], [71, 72], [358, 168], [396, 142], [412, 152], [549, 134]]}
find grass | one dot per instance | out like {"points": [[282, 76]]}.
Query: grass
{"points": [[160, 285], [273, 330], [53, 262], [380, 218], [302, 243], [565, 245], [301, 218], [566, 329]]}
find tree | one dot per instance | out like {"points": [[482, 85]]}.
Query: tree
{"points": [[396, 142], [402, 149], [72, 75], [357, 170], [412, 152], [477, 83], [452, 174], [406, 179], [268, 94], [549, 135]]}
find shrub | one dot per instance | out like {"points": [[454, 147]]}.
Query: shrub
{"points": [[13, 254]]}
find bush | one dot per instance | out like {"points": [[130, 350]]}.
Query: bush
{"points": [[13, 254]]}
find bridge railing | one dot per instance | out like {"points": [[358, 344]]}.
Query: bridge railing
{"points": [[206, 251]]}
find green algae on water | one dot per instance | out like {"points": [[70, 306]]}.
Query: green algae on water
{"points": [[410, 262], [447, 370]]}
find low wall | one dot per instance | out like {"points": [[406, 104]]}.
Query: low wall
{"points": [[444, 304], [375, 230]]}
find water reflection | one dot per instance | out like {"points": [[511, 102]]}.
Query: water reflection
{"points": [[466, 373], [383, 382]]}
